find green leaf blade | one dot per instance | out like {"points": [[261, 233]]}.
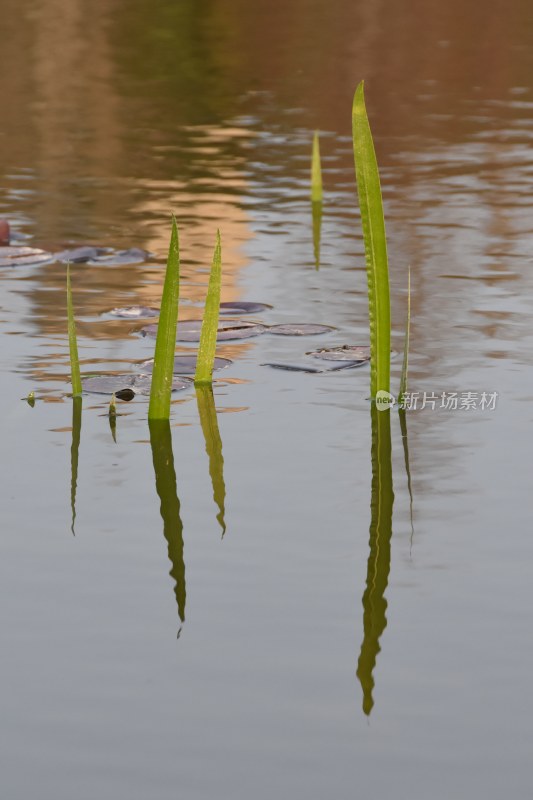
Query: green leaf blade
{"points": [[373, 223], [208, 335], [165, 346]]}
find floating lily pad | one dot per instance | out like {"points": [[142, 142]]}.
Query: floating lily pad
{"points": [[81, 255], [346, 352], [308, 368], [185, 364], [21, 256], [243, 307], [134, 312], [189, 330], [123, 385], [299, 329], [134, 255], [102, 255]]}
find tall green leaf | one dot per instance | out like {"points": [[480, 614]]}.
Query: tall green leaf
{"points": [[316, 172], [165, 344], [208, 336], [72, 342], [373, 222]]}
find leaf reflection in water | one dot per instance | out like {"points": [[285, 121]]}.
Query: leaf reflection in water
{"points": [[378, 567], [165, 484]]}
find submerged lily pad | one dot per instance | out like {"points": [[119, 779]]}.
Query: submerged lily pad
{"points": [[134, 312], [189, 330], [124, 385], [185, 364], [243, 307], [21, 256], [345, 352], [300, 329]]}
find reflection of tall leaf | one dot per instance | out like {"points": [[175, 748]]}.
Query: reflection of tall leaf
{"points": [[405, 442], [316, 208], [373, 223], [213, 447], [377, 576], [165, 484], [74, 455]]}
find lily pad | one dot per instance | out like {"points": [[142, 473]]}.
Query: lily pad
{"points": [[346, 352], [81, 255], [134, 312], [300, 329], [21, 256], [102, 255], [123, 385], [189, 330], [243, 307], [308, 368], [134, 255], [185, 364]]}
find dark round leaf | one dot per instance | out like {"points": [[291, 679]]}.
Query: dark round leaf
{"points": [[184, 364], [299, 329]]}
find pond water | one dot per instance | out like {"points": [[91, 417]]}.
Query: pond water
{"points": [[222, 623]]}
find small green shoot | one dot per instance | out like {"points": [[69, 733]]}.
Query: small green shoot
{"points": [[208, 336], [73, 345], [373, 223], [405, 365], [316, 172], [316, 198], [165, 344]]}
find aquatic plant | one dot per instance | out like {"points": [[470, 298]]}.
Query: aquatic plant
{"points": [[75, 376], [316, 198], [316, 172], [165, 345], [373, 223], [208, 335]]}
